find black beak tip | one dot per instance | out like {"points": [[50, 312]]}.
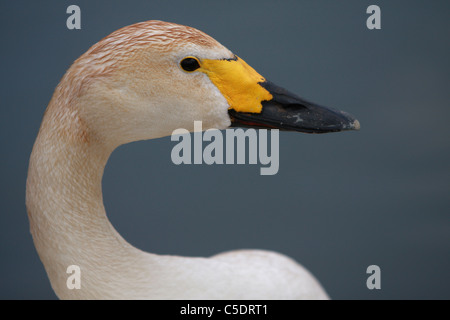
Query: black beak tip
{"points": [[347, 123], [289, 112], [355, 125], [332, 121]]}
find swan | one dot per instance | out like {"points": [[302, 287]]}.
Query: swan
{"points": [[142, 82]]}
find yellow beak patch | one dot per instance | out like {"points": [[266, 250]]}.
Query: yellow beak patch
{"points": [[238, 82]]}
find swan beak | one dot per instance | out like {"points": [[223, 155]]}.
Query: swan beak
{"points": [[287, 111], [257, 103]]}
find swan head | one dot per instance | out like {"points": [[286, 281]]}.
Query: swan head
{"points": [[148, 79]]}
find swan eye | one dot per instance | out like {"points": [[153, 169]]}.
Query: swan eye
{"points": [[189, 64]]}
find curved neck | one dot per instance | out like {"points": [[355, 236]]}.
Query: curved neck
{"points": [[69, 227], [65, 208]]}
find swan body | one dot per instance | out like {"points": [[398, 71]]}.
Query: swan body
{"points": [[128, 87]]}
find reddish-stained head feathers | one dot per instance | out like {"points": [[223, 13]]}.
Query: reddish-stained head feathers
{"points": [[105, 56], [165, 35]]}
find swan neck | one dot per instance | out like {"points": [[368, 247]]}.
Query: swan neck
{"points": [[65, 205]]}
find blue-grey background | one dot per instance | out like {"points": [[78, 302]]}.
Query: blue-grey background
{"points": [[340, 202]]}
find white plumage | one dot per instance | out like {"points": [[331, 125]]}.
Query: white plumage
{"points": [[130, 87]]}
